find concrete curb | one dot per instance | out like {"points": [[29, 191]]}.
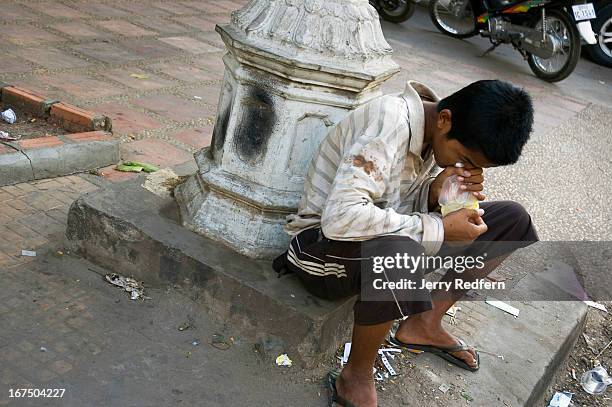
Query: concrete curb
{"points": [[27, 161], [89, 146], [114, 228]]}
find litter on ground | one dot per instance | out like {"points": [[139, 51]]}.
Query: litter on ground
{"points": [[345, 355], [284, 360], [504, 307], [561, 399], [219, 342], [596, 305], [9, 116], [7, 137], [135, 288], [134, 166], [28, 253], [184, 326]]}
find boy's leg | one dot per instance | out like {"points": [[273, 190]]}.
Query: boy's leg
{"points": [[507, 221], [356, 382]]}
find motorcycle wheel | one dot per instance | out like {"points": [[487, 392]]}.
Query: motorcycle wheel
{"points": [[563, 62], [601, 52], [396, 11], [455, 18]]}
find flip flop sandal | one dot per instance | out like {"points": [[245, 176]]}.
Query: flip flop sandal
{"points": [[442, 351], [332, 392]]}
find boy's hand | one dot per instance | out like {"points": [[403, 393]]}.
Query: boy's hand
{"points": [[471, 180], [463, 225]]}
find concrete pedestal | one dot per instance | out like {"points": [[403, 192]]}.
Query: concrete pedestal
{"points": [[293, 70]]}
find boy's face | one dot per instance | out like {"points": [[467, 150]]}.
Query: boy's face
{"points": [[448, 151]]}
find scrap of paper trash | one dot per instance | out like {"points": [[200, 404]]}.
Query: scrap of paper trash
{"points": [[284, 360], [135, 288], [6, 136], [9, 116]]}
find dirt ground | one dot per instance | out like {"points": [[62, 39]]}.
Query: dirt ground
{"points": [[597, 334], [29, 126]]}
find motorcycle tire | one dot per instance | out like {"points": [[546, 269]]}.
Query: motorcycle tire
{"points": [[574, 51], [442, 27], [401, 13], [602, 25]]}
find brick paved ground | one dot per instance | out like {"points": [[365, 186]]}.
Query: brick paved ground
{"points": [[140, 62], [85, 53]]}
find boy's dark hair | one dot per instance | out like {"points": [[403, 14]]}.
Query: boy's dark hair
{"points": [[491, 116]]}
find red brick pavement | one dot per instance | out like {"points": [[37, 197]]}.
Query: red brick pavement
{"points": [[34, 215], [141, 63]]}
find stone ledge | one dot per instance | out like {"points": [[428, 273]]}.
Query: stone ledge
{"points": [[33, 159], [129, 230]]}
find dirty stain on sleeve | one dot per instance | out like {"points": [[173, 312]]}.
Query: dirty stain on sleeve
{"points": [[368, 166]]}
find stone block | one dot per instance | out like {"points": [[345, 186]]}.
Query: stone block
{"points": [[115, 229]]}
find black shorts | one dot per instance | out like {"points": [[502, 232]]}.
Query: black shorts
{"points": [[332, 269]]}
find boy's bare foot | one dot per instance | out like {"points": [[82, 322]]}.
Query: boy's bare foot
{"points": [[358, 389], [421, 330]]}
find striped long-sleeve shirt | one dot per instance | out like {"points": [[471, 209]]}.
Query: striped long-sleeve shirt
{"points": [[370, 176]]}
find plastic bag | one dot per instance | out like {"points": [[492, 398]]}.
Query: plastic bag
{"points": [[452, 198]]}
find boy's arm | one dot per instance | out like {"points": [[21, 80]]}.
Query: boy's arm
{"points": [[350, 212]]}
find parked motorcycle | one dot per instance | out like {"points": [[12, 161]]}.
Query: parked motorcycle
{"points": [[395, 11], [546, 32]]}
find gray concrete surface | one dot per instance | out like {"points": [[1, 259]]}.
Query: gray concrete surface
{"points": [[129, 230], [48, 162], [15, 167]]}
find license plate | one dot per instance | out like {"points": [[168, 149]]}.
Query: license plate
{"points": [[584, 12]]}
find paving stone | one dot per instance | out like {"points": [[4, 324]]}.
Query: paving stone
{"points": [[136, 7], [144, 81], [26, 34], [125, 28], [100, 9], [51, 58], [220, 19], [229, 5], [174, 107], [190, 45], [156, 152], [126, 120], [111, 174], [208, 7], [55, 9], [200, 23], [162, 25], [175, 8], [184, 72], [212, 38], [17, 12], [81, 86], [150, 48], [78, 30], [106, 52], [11, 64], [61, 367], [198, 137], [213, 64], [208, 93]]}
